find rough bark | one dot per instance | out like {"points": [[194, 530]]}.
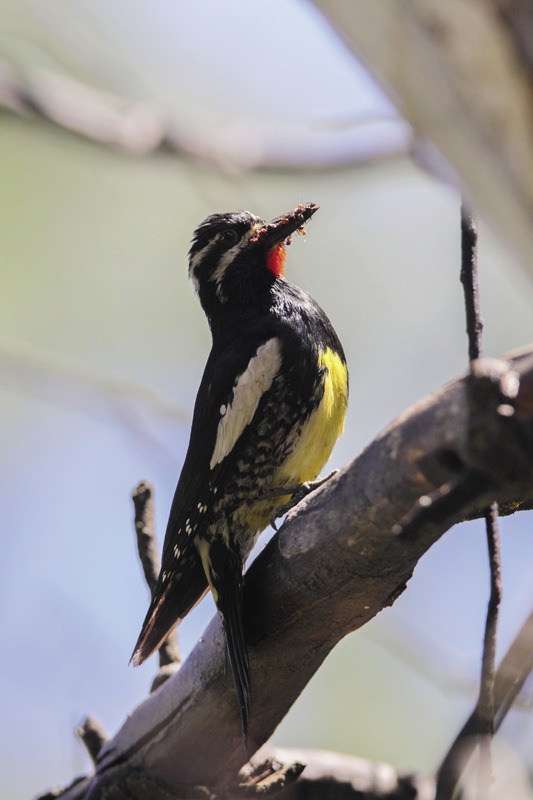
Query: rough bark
{"points": [[346, 553]]}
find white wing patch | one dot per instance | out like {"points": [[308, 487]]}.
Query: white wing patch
{"points": [[247, 392]]}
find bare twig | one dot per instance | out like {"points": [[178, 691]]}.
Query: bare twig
{"points": [[266, 779], [470, 281], [93, 736], [169, 654], [488, 667], [474, 327], [450, 772], [142, 497], [514, 669]]}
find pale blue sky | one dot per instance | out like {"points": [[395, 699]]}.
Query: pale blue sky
{"points": [[93, 266]]}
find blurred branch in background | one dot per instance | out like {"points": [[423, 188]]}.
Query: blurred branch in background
{"points": [[64, 382], [100, 116], [462, 74], [513, 671], [138, 128]]}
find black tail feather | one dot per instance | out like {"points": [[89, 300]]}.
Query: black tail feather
{"points": [[172, 601], [226, 580], [240, 666]]}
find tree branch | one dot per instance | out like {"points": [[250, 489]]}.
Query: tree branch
{"points": [[137, 128], [92, 735], [514, 669], [485, 703], [325, 776], [142, 496], [333, 566]]}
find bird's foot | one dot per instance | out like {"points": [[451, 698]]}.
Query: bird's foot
{"points": [[297, 491]]}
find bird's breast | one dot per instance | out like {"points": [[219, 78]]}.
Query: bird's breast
{"points": [[313, 441], [309, 443]]}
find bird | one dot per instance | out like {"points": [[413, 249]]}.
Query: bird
{"points": [[270, 407]]}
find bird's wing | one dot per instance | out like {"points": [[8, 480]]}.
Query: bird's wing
{"points": [[230, 393], [248, 390]]}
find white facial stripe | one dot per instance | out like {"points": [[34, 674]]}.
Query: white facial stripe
{"points": [[250, 387], [228, 257], [197, 258], [200, 255]]}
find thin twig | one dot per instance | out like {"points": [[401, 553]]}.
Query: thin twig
{"points": [[515, 667], [142, 496], [268, 780], [452, 767], [488, 668], [474, 328], [469, 279], [93, 736]]}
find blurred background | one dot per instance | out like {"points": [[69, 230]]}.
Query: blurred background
{"points": [[158, 115]]}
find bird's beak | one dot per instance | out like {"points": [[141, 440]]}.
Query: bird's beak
{"points": [[273, 233]]}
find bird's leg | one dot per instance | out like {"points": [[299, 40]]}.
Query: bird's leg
{"points": [[298, 492]]}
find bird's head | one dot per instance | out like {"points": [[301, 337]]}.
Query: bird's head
{"points": [[235, 257]]}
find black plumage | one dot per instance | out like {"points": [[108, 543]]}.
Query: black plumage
{"points": [[270, 406]]}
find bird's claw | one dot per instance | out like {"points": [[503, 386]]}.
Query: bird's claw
{"points": [[297, 491]]}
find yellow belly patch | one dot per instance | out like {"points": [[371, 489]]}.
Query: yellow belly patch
{"points": [[323, 427], [315, 440]]}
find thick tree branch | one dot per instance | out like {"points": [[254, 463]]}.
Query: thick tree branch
{"points": [[333, 566], [325, 776]]}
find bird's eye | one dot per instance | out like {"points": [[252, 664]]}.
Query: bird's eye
{"points": [[229, 236]]}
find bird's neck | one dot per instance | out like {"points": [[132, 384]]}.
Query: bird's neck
{"points": [[233, 321], [239, 311]]}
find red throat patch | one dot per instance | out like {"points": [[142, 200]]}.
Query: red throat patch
{"points": [[275, 259]]}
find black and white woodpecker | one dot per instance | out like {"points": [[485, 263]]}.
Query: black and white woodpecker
{"points": [[269, 409]]}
